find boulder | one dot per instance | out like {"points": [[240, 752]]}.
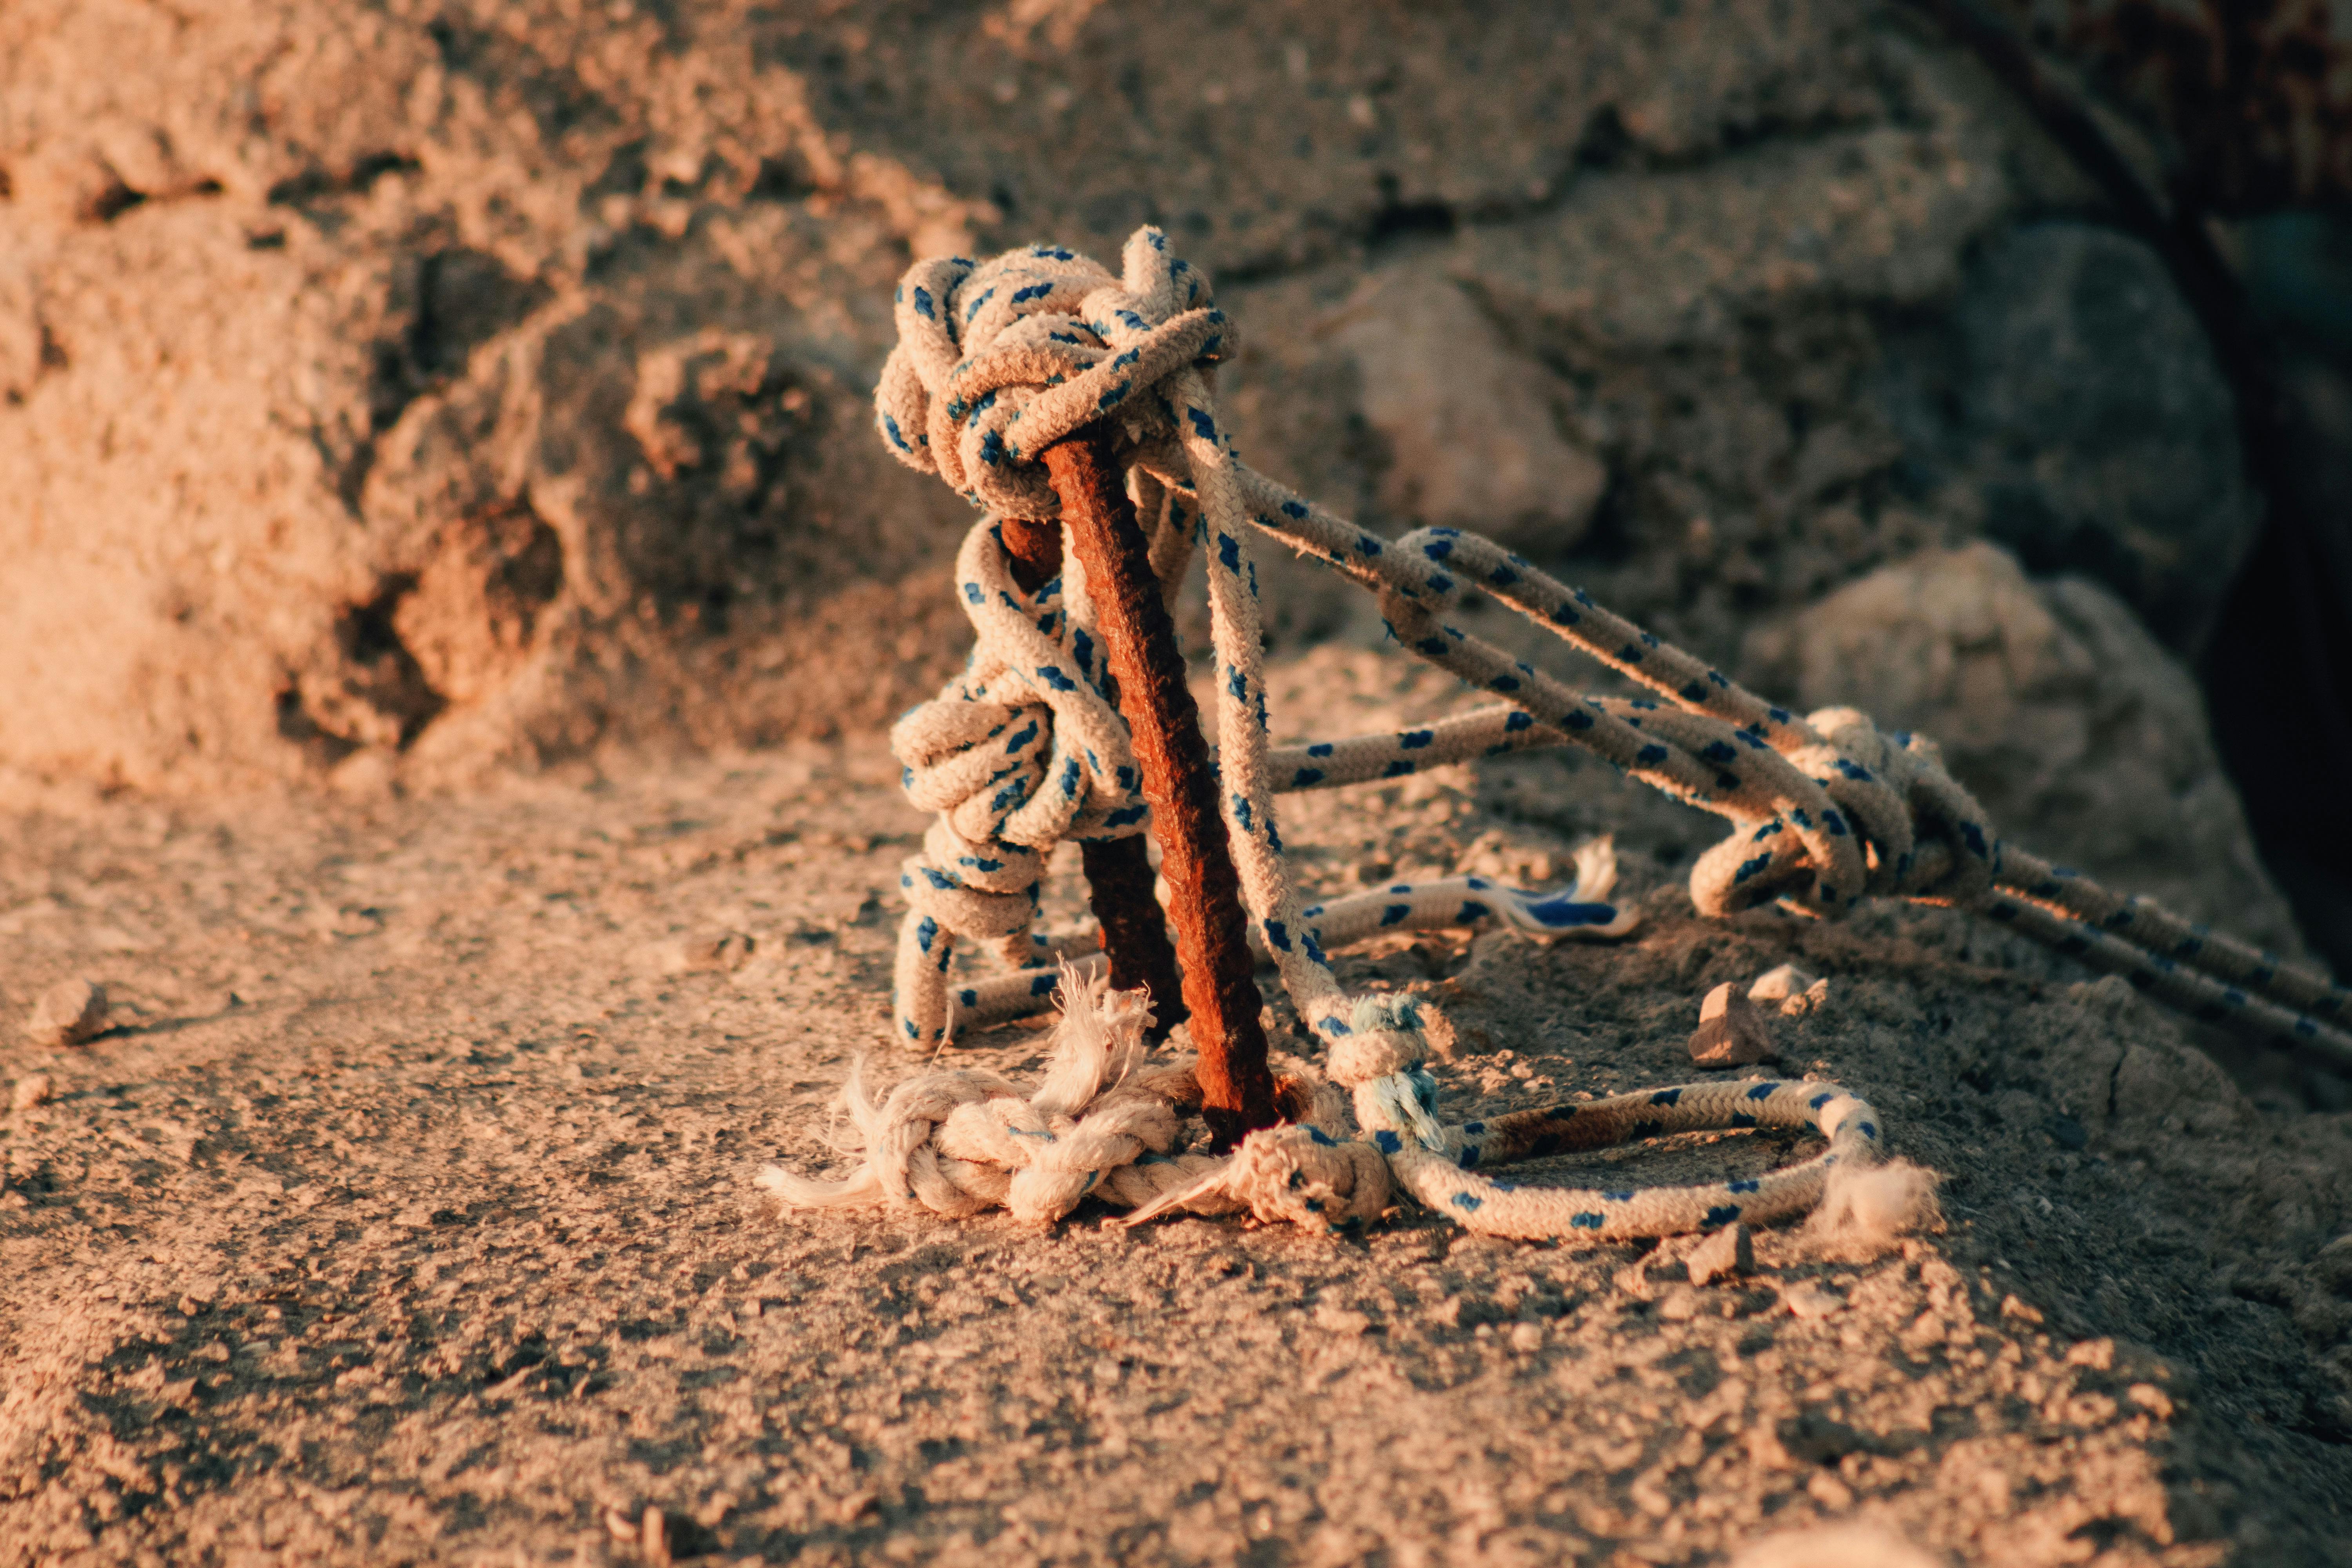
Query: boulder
{"points": [[2086, 740], [2074, 401]]}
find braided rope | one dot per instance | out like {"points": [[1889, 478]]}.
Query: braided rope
{"points": [[998, 361], [1102, 1122]]}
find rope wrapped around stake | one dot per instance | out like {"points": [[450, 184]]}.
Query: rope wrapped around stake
{"points": [[1104, 1119], [995, 363]]}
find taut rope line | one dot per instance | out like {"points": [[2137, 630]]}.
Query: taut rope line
{"points": [[995, 363]]}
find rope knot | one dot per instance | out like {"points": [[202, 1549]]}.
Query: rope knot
{"points": [[1021, 751], [1380, 1058], [1303, 1174], [997, 361], [1926, 837]]}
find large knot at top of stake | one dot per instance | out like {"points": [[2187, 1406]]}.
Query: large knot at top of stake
{"points": [[996, 361]]}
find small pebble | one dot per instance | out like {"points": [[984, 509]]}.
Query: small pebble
{"points": [[1730, 1032], [2334, 1265], [32, 1089], [69, 1013], [1730, 1250], [1526, 1338], [1789, 991], [1809, 1300], [1779, 984], [1678, 1305]]}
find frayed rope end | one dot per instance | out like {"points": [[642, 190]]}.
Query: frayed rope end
{"points": [[801, 1193], [1865, 1208]]}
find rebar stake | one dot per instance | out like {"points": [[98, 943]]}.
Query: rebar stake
{"points": [[1220, 988], [1119, 870]]}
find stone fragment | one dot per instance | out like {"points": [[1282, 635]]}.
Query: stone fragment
{"points": [[1526, 1338], [67, 1014], [1789, 991], [32, 1089], [1806, 1299], [1730, 1032], [1731, 1250]]}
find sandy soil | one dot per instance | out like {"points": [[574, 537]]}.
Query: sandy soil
{"points": [[405, 1214]]}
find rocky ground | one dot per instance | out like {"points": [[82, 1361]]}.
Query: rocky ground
{"points": [[453, 586], [443, 386], [405, 1213]]}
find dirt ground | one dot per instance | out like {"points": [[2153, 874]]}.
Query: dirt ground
{"points": [[407, 1213]]}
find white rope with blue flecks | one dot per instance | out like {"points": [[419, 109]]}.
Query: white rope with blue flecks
{"points": [[997, 362]]}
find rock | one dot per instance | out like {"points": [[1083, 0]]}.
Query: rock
{"points": [[1731, 1033], [2076, 400], [1470, 420], [67, 1014], [1806, 1299], [720, 953], [2086, 740], [1729, 1251], [495, 406], [1779, 984], [30, 1091], [1789, 991]]}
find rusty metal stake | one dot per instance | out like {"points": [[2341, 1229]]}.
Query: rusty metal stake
{"points": [[1119, 870], [1204, 902]]}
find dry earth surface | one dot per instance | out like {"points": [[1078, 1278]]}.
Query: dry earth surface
{"points": [[407, 1213], [435, 463]]}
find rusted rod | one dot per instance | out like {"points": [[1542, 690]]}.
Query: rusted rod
{"points": [[1204, 893], [1119, 870]]}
